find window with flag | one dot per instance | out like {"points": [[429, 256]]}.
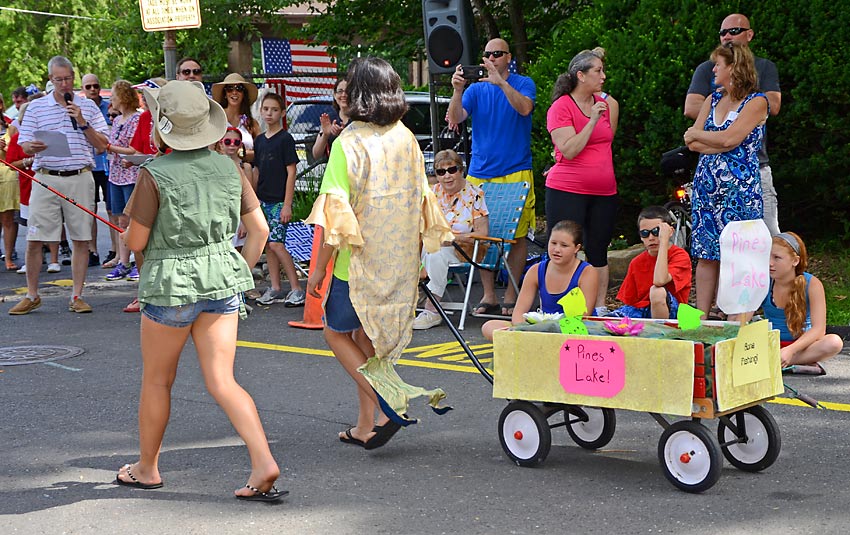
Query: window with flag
{"points": [[304, 69]]}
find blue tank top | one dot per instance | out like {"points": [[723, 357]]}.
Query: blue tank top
{"points": [[548, 302], [776, 315]]}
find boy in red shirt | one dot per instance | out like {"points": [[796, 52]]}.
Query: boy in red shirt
{"points": [[659, 278]]}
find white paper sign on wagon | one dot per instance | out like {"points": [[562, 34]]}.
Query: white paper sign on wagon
{"points": [[744, 266]]}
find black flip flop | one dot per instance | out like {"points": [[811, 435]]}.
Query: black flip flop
{"points": [[490, 309], [350, 439], [383, 434], [804, 369], [136, 484], [272, 495]]}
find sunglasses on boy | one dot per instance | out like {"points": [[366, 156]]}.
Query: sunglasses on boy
{"points": [[732, 31], [235, 142], [644, 233], [450, 170], [187, 72], [499, 53]]}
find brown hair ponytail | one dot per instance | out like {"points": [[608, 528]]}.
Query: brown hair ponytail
{"points": [[795, 310]]}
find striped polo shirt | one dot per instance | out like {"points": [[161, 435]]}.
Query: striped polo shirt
{"points": [[47, 114]]}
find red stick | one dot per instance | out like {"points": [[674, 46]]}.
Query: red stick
{"points": [[70, 200]]}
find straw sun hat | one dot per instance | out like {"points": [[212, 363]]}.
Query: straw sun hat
{"points": [[183, 117], [234, 79]]}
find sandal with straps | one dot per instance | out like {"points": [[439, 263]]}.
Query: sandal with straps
{"points": [[272, 495]]}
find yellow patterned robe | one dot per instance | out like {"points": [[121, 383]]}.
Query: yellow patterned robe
{"points": [[389, 208]]}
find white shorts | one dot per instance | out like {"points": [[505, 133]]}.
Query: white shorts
{"points": [[47, 211]]}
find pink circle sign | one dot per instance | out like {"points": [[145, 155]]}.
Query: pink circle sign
{"points": [[592, 368]]}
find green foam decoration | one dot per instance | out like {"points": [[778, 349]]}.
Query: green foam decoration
{"points": [[689, 317], [574, 303], [572, 326]]}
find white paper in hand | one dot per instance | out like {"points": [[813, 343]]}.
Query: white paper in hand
{"points": [[57, 143], [744, 266]]}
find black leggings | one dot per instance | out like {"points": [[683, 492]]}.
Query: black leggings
{"points": [[597, 215]]}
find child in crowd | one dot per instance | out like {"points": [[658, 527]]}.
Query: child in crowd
{"points": [[659, 278], [796, 305], [553, 278], [275, 164], [230, 146]]}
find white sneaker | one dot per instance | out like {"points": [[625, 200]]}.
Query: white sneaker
{"points": [[426, 320], [600, 312], [22, 270], [54, 268]]}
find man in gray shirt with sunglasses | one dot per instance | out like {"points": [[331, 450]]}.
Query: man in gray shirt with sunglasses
{"points": [[736, 28]]}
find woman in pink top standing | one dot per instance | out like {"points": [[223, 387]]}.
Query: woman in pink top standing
{"points": [[581, 185]]}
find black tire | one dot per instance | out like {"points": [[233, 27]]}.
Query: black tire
{"points": [[524, 433], [690, 456], [590, 427], [681, 224], [763, 439]]}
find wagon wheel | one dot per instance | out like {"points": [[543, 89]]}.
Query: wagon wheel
{"points": [[590, 427], [524, 433], [762, 444], [690, 456]]}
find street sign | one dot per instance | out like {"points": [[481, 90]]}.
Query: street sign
{"points": [[158, 15]]}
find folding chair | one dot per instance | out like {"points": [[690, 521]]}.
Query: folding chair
{"points": [[505, 203], [299, 243]]}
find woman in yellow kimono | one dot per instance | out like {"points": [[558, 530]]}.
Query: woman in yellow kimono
{"points": [[374, 207]]}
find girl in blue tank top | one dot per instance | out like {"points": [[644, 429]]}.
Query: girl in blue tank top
{"points": [[796, 305], [552, 278]]}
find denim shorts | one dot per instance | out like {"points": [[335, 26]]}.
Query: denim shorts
{"points": [[185, 315], [339, 315], [645, 312], [118, 197]]}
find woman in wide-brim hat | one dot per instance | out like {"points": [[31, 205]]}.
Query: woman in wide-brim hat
{"points": [[235, 94], [183, 214]]}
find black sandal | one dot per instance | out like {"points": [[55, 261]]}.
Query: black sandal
{"points": [[272, 495]]}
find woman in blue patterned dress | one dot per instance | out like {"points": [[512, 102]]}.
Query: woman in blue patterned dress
{"points": [[728, 133]]}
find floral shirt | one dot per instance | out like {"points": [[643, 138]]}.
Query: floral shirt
{"points": [[462, 208], [120, 136]]}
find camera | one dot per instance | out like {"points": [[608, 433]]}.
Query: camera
{"points": [[474, 72]]}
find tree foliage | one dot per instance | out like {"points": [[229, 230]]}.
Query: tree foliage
{"points": [[109, 39]]}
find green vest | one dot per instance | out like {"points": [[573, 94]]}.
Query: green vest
{"points": [[189, 256]]}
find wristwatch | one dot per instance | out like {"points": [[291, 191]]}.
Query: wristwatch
{"points": [[84, 128]]}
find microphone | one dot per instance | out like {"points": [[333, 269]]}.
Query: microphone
{"points": [[68, 100]]}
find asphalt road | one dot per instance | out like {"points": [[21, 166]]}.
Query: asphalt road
{"points": [[67, 426]]}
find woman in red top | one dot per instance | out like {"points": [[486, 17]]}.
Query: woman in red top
{"points": [[581, 186]]}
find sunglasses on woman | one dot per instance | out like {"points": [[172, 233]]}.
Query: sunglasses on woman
{"points": [[644, 233], [237, 87], [236, 142], [450, 170]]}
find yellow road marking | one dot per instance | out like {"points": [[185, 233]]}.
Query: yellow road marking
{"points": [[403, 361], [449, 351]]}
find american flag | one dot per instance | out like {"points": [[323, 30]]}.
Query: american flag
{"points": [[311, 60]]}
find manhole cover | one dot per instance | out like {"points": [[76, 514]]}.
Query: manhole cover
{"points": [[15, 356]]}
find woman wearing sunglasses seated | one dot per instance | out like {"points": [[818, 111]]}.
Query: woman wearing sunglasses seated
{"points": [[466, 212], [659, 278]]}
